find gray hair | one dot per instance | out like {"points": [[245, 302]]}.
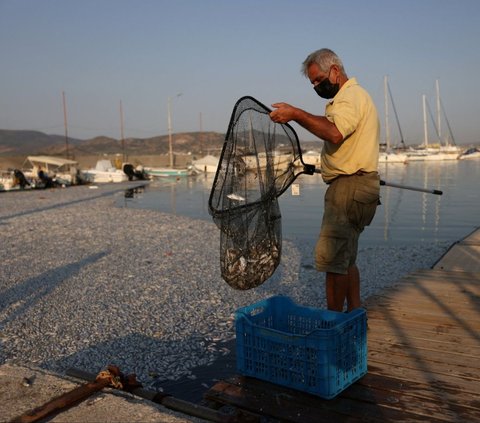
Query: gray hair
{"points": [[324, 58]]}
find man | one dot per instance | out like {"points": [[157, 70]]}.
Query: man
{"points": [[350, 130]]}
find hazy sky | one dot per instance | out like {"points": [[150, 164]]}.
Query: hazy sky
{"points": [[142, 52]]}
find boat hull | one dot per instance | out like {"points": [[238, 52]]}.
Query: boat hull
{"points": [[392, 158], [99, 177], [166, 172]]}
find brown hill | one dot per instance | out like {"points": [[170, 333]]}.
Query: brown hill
{"points": [[16, 143], [27, 142]]}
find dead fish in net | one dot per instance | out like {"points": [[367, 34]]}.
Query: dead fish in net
{"points": [[235, 197], [246, 271]]}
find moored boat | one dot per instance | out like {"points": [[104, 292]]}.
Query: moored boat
{"points": [[61, 171], [207, 164], [387, 154], [167, 171], [279, 161], [104, 172], [391, 157], [471, 153], [13, 180]]}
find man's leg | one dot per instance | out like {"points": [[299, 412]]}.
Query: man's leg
{"points": [[353, 294], [343, 287], [337, 288]]}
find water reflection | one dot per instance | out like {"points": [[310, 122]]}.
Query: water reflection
{"points": [[134, 192], [407, 216]]}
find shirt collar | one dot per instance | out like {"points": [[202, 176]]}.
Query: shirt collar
{"points": [[350, 82]]}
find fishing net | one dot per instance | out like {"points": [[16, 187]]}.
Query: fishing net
{"points": [[259, 160]]}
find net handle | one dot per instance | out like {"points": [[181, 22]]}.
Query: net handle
{"points": [[310, 169], [391, 184]]}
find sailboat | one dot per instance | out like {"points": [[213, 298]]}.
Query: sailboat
{"points": [[389, 156], [169, 171], [424, 152], [436, 152], [450, 148]]}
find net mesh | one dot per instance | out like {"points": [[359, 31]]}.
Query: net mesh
{"points": [[259, 160]]}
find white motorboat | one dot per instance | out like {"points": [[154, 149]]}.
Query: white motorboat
{"points": [[471, 153], [61, 171], [104, 172], [11, 180]]}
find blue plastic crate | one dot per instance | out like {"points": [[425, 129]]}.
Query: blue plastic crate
{"points": [[317, 351]]}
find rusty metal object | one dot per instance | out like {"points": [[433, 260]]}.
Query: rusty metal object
{"points": [[166, 400]]}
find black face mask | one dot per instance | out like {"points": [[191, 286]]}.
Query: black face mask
{"points": [[326, 89]]}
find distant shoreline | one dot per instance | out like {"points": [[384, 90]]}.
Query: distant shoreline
{"points": [[89, 161]]}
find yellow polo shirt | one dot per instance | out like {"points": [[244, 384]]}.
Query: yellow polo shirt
{"points": [[354, 114]]}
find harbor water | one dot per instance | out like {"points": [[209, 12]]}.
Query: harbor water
{"points": [[404, 217]]}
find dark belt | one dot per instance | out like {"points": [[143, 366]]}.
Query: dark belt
{"points": [[357, 173]]}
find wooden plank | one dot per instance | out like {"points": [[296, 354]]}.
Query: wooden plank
{"points": [[421, 391], [454, 383], [421, 296], [373, 398], [469, 328], [443, 310], [448, 280], [431, 318], [294, 406], [436, 285], [428, 342], [270, 400], [427, 362], [418, 292], [467, 277], [434, 305], [402, 400], [462, 360], [444, 276], [417, 329]]}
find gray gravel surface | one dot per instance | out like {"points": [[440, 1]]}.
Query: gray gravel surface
{"points": [[85, 283]]}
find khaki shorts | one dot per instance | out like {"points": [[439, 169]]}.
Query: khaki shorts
{"points": [[350, 205]]}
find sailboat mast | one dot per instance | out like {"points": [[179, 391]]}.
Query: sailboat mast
{"points": [[170, 141], [437, 84], [425, 130], [121, 132], [201, 133], [387, 126], [65, 125], [402, 141], [169, 118]]}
